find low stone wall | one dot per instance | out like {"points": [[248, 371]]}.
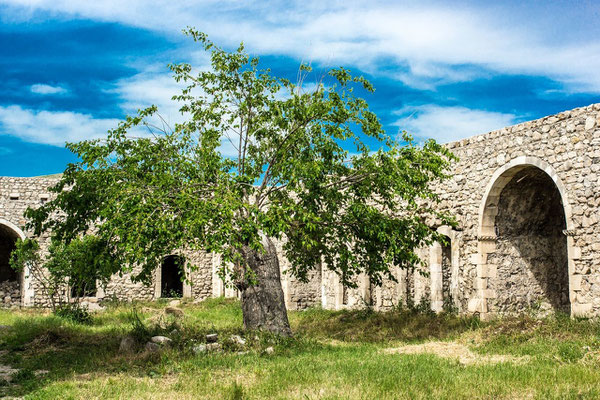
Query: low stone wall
{"points": [[124, 289], [10, 294]]}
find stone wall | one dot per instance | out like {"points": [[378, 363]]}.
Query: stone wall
{"points": [[200, 275], [10, 294], [527, 201], [124, 289], [16, 195], [491, 274], [566, 148]]}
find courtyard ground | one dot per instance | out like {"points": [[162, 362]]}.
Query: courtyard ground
{"points": [[334, 354]]}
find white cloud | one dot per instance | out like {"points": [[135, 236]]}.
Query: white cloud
{"points": [[41, 88], [150, 88], [431, 40], [52, 127], [58, 127], [448, 124]]}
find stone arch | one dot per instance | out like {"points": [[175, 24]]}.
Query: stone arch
{"points": [[9, 235], [488, 237]]}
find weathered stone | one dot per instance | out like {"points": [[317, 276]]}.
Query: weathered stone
{"points": [[152, 347], [127, 345], [590, 122], [163, 340], [178, 312], [199, 348], [581, 310], [238, 340], [212, 337], [215, 347]]}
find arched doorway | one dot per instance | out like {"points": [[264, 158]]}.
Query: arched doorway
{"points": [[172, 276], [10, 280], [524, 253]]}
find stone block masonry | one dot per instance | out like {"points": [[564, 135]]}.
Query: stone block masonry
{"points": [[527, 201]]}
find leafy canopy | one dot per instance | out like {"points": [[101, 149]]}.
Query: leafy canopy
{"points": [[257, 156]]}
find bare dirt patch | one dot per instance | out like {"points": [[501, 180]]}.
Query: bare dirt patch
{"points": [[456, 351]]}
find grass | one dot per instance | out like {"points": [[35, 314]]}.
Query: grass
{"points": [[334, 354]]}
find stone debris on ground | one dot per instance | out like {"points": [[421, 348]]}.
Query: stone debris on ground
{"points": [[152, 347], [214, 347], [127, 345], [174, 303], [212, 337], [199, 348], [237, 339], [175, 311], [456, 351], [162, 340]]}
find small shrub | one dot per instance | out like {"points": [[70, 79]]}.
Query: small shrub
{"points": [[449, 307], [424, 306], [74, 312], [139, 331]]}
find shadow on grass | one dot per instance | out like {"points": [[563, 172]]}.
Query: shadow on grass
{"points": [[47, 349], [69, 351], [370, 326]]}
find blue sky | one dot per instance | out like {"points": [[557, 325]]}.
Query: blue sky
{"points": [[70, 70]]}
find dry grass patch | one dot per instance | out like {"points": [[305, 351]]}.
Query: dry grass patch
{"points": [[456, 351]]}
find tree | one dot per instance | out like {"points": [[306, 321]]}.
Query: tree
{"points": [[68, 271], [300, 170]]}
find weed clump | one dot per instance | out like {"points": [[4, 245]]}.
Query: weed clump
{"points": [[74, 312]]}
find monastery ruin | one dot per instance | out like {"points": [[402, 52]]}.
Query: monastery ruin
{"points": [[527, 201]]}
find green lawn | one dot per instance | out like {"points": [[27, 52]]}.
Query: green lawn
{"points": [[333, 355]]}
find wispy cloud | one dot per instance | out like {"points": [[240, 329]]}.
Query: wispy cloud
{"points": [[150, 88], [447, 124], [54, 128], [41, 88], [5, 151], [431, 41]]}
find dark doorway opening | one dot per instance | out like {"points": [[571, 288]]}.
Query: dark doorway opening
{"points": [[8, 240], [171, 283]]}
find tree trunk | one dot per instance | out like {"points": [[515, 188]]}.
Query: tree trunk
{"points": [[263, 303]]}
